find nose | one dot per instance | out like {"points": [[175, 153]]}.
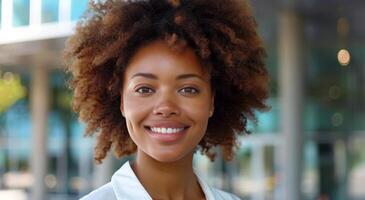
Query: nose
{"points": [[166, 107]]}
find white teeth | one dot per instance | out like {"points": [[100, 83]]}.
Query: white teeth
{"points": [[166, 130]]}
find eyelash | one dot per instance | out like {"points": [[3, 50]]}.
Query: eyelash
{"points": [[196, 91], [143, 88], [193, 91]]}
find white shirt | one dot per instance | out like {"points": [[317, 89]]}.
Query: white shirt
{"points": [[125, 185]]}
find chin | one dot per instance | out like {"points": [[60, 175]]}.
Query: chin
{"points": [[168, 157]]}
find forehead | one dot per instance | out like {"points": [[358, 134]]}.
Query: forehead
{"points": [[158, 56]]}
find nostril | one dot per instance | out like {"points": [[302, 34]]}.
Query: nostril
{"points": [[165, 111]]}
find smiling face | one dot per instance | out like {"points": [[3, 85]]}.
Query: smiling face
{"points": [[166, 101]]}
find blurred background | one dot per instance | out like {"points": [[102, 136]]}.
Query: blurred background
{"points": [[311, 145]]}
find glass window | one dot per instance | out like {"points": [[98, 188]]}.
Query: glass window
{"points": [[78, 7], [70, 155], [268, 122], [15, 131], [254, 172], [357, 86], [310, 170], [21, 12], [325, 170], [50, 10], [334, 93]]}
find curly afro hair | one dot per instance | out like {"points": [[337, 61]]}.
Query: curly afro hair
{"points": [[221, 32]]}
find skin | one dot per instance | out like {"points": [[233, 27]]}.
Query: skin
{"points": [[165, 88]]}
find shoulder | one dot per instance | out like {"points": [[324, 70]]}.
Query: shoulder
{"points": [[104, 192], [225, 195]]}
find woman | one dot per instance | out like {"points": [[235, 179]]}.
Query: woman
{"points": [[163, 79]]}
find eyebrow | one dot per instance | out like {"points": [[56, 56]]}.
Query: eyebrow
{"points": [[145, 75], [152, 76]]}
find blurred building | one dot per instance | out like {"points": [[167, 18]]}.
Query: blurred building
{"points": [[311, 145]]}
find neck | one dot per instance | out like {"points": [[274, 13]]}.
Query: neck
{"points": [[167, 180]]}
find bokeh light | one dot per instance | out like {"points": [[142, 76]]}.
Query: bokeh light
{"points": [[344, 57]]}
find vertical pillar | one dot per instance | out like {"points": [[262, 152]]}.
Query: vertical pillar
{"points": [[39, 108], [258, 171], [103, 172], [64, 12], [291, 94], [35, 13], [85, 166]]}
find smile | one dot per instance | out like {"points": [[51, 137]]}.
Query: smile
{"points": [[167, 134], [165, 130]]}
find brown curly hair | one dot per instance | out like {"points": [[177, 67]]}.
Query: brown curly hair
{"points": [[221, 32]]}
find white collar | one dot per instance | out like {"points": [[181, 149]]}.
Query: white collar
{"points": [[127, 186]]}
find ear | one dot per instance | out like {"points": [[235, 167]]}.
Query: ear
{"points": [[121, 106], [211, 111]]}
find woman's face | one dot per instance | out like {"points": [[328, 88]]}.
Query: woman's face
{"points": [[166, 101]]}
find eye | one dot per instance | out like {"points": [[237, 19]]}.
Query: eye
{"points": [[144, 90], [189, 91]]}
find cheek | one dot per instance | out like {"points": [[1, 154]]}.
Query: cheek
{"points": [[134, 114], [134, 110], [200, 107], [198, 111]]}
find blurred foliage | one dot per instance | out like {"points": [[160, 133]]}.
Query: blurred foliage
{"points": [[11, 90]]}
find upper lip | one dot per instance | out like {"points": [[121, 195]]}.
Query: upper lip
{"points": [[166, 124]]}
